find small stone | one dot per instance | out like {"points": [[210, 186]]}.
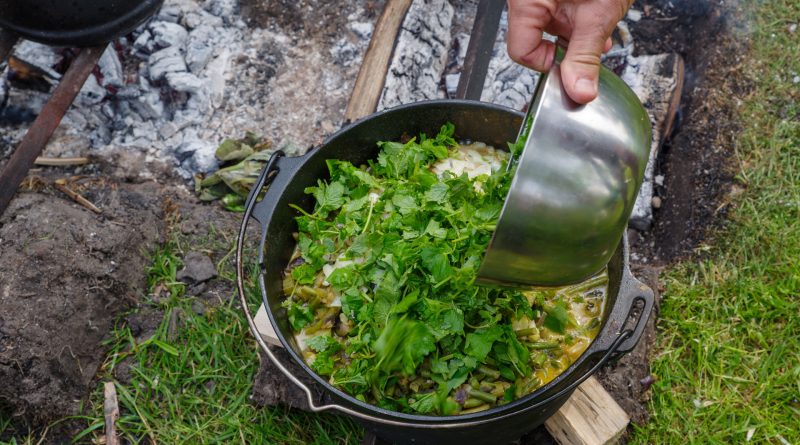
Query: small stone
{"points": [[68, 145], [796, 79], [792, 28], [176, 317], [222, 8], [168, 60], [194, 19], [168, 34], [659, 179], [200, 48], [169, 13], [656, 202], [197, 268]]}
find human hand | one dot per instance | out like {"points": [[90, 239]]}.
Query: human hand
{"points": [[587, 24]]}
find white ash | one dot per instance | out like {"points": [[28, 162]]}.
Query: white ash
{"points": [[195, 75], [420, 55]]}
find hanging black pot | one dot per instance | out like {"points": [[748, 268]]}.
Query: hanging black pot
{"points": [[74, 23]]}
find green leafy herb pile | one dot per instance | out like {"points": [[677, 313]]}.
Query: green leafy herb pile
{"points": [[413, 333], [242, 161]]}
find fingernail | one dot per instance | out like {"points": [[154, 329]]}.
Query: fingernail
{"points": [[586, 86]]}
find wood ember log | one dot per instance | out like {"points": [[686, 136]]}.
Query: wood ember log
{"points": [[507, 82], [372, 74], [657, 80], [420, 54]]}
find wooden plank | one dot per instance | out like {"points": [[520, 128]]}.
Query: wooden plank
{"points": [[265, 328], [590, 417], [372, 74]]}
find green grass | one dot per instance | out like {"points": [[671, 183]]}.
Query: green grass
{"points": [[729, 328], [194, 387]]}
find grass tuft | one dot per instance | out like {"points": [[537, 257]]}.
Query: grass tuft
{"points": [[193, 386], [729, 329]]}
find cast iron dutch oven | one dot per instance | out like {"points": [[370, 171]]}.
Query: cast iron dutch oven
{"points": [[74, 22], [287, 178]]}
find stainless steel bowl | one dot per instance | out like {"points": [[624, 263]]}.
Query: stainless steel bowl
{"points": [[575, 185]]}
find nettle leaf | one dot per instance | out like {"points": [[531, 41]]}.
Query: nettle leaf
{"points": [[425, 403], [311, 251], [435, 148], [299, 315], [352, 301], [402, 345], [435, 230], [405, 204], [437, 193], [322, 343], [557, 318], [344, 277], [479, 343], [366, 178], [356, 204], [304, 274], [329, 196], [407, 301], [435, 261]]}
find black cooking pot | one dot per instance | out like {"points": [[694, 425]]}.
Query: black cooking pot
{"points": [[289, 176], [74, 22]]}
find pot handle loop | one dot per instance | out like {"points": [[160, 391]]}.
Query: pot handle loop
{"points": [[251, 202]]}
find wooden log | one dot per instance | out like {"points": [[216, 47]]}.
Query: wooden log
{"points": [[658, 81], [419, 56], [590, 417], [372, 74]]}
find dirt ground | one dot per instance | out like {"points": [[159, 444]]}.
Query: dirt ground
{"points": [[62, 273], [695, 159], [66, 274]]}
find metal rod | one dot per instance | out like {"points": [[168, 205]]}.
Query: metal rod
{"points": [[479, 51], [7, 41], [46, 123]]}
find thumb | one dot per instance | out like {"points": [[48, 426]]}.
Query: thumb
{"points": [[580, 70]]}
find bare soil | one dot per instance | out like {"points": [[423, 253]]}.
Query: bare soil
{"points": [[695, 160], [66, 273]]}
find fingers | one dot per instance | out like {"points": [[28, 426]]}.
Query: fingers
{"points": [[580, 70], [526, 21]]}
